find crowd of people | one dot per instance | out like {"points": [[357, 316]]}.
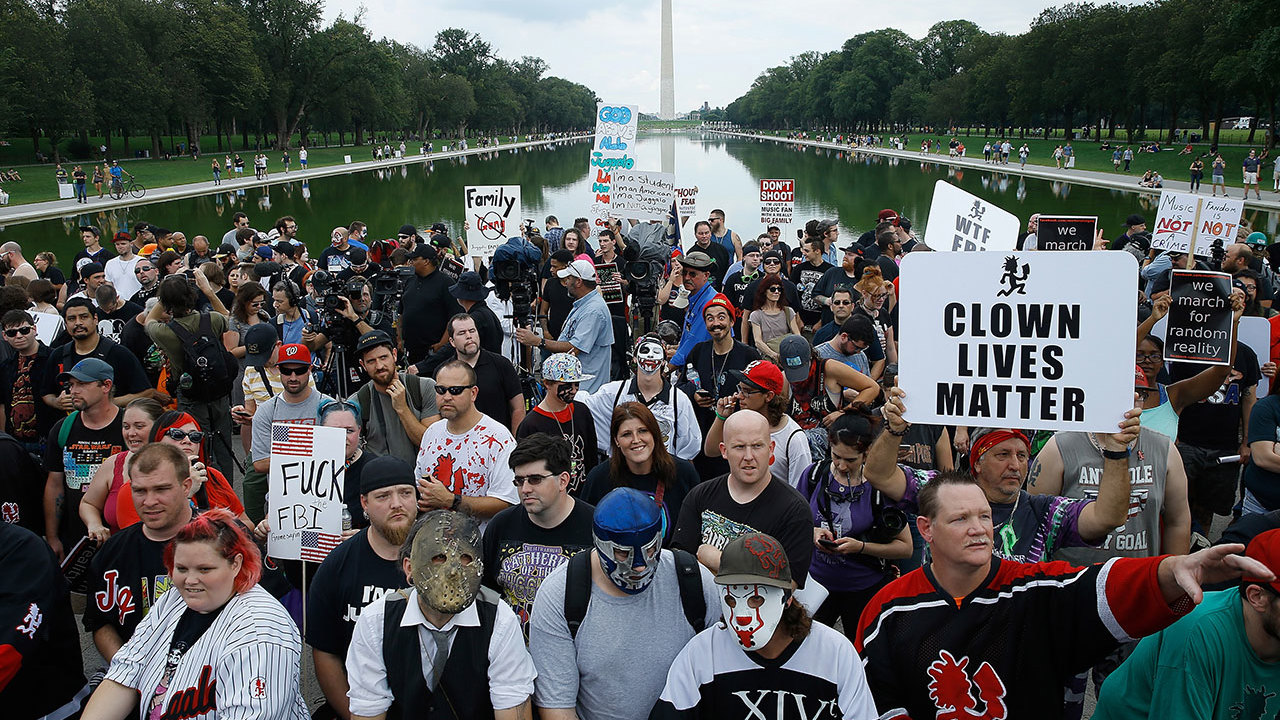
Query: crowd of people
{"points": [[582, 492]]}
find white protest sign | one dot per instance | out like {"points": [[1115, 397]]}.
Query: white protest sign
{"points": [[48, 326], [493, 214], [687, 201], [960, 221], [642, 194], [1021, 343], [612, 149], [1219, 219], [777, 201], [1175, 221], [1256, 333], [305, 491]]}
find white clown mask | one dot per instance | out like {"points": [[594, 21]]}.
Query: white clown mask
{"points": [[649, 355], [752, 612]]}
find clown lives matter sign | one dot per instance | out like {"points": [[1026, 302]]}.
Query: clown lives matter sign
{"points": [[1020, 343]]}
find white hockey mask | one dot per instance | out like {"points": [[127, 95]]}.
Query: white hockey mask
{"points": [[752, 612]]}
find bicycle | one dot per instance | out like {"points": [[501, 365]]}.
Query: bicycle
{"points": [[130, 186]]}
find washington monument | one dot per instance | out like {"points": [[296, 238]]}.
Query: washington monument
{"points": [[667, 89]]}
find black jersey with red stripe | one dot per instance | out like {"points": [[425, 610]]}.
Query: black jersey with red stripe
{"points": [[1007, 648]]}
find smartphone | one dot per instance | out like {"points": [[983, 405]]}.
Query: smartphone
{"points": [[828, 544], [701, 391]]}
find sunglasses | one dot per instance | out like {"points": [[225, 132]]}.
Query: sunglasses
{"points": [[15, 332], [775, 288], [403, 237], [140, 270], [534, 480], [454, 390], [294, 369], [841, 302], [195, 436]]}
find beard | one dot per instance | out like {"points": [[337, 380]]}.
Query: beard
{"points": [[395, 533]]}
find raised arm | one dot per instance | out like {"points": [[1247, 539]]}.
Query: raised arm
{"points": [[882, 469], [1111, 508]]}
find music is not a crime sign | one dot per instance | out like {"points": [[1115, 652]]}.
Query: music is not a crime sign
{"points": [[1017, 340]]}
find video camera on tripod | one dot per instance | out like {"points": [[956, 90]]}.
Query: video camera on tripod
{"points": [[515, 275], [334, 294]]}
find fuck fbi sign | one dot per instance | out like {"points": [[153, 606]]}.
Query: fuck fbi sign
{"points": [[962, 222], [1199, 321], [1020, 342]]}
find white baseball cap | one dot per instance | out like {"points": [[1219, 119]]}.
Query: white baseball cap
{"points": [[579, 269]]}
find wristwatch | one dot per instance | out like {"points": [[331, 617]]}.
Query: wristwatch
{"points": [[456, 504], [1115, 454]]}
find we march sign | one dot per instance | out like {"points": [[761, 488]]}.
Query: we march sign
{"points": [[960, 222], [1020, 343]]}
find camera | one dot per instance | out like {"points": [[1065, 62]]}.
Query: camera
{"points": [[886, 523], [520, 281]]}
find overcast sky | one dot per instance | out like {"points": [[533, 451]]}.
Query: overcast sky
{"points": [[612, 46]]}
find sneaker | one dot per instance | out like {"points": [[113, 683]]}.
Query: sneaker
{"points": [[1199, 542]]}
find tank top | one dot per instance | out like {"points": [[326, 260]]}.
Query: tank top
{"points": [[1162, 417], [109, 515], [811, 401], [725, 241], [1081, 471]]}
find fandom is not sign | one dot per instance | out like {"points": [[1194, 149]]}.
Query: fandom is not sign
{"points": [[1017, 344]]}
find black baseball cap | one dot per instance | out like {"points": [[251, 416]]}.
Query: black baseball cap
{"points": [[373, 339]]}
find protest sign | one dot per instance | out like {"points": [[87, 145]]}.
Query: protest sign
{"points": [[1256, 333], [1175, 221], [346, 159], [493, 214], [687, 201], [612, 149], [642, 194], [1199, 321], [1066, 232], [305, 491], [1219, 220], [960, 221], [608, 282], [1015, 341], [777, 201], [48, 327], [75, 565]]}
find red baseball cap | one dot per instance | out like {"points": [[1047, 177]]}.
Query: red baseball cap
{"points": [[888, 214], [763, 374], [293, 354], [1140, 379], [720, 300], [1265, 548]]}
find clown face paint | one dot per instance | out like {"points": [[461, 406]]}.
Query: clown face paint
{"points": [[752, 612], [446, 562], [566, 392], [649, 355]]}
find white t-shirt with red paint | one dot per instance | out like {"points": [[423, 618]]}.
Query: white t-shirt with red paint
{"points": [[473, 464]]}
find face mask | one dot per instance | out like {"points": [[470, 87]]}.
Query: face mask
{"points": [[566, 392], [752, 612], [634, 573], [649, 355], [449, 586]]}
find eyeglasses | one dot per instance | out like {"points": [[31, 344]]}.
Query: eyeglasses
{"points": [[841, 302], [1148, 356], [294, 369], [534, 480], [195, 436], [15, 332], [744, 389], [454, 390]]}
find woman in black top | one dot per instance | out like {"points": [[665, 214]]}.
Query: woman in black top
{"points": [[639, 459]]}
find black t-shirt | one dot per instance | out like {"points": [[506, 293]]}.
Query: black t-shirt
{"points": [[518, 554], [720, 254], [351, 578], [54, 275], [10, 377], [921, 443], [334, 260], [82, 258], [351, 489], [427, 301], [488, 325], [498, 383], [710, 516], [134, 338], [21, 487], [834, 278], [600, 483], [110, 324], [806, 276], [558, 301], [78, 461], [735, 288], [130, 378], [578, 427], [888, 268], [1214, 423], [126, 577]]}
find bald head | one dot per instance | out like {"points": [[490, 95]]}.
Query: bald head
{"points": [[1237, 257], [747, 447], [11, 247]]}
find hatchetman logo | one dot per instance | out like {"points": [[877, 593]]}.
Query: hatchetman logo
{"points": [[768, 552], [258, 688], [953, 691], [1016, 282]]}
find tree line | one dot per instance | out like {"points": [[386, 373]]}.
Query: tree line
{"points": [[1163, 64], [141, 69]]}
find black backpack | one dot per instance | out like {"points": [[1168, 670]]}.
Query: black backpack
{"points": [[577, 590], [206, 360]]}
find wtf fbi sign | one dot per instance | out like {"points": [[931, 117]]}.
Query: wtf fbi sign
{"points": [[1017, 340]]}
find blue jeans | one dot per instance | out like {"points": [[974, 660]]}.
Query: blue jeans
{"points": [[1251, 504]]}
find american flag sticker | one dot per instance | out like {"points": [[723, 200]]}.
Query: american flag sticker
{"points": [[292, 439], [317, 545]]}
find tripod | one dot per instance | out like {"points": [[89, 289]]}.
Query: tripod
{"points": [[336, 380]]}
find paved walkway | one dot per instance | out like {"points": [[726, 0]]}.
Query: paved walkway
{"points": [[1269, 201], [11, 214]]}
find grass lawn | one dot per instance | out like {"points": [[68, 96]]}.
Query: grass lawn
{"points": [[38, 180]]}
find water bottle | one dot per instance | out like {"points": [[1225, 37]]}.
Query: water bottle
{"points": [[346, 518]]}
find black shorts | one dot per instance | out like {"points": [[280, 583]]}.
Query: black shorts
{"points": [[1210, 486]]}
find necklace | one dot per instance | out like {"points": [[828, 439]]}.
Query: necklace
{"points": [[716, 373], [1009, 536]]}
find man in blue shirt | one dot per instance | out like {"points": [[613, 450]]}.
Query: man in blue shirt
{"points": [[587, 331], [697, 280]]}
